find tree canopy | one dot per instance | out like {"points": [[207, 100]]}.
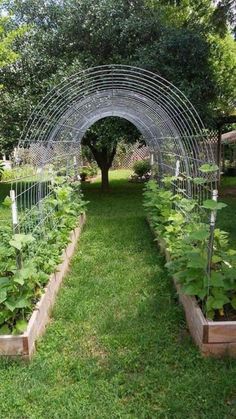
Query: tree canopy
{"points": [[188, 42], [8, 35]]}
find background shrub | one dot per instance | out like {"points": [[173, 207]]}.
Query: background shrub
{"points": [[141, 167]]}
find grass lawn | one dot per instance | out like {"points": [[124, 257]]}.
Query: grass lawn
{"points": [[5, 215], [117, 345], [226, 217], [228, 181]]}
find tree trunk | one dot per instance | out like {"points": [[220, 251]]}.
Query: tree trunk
{"points": [[105, 179], [104, 158]]}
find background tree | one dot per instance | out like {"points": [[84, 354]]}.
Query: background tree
{"points": [[186, 41], [7, 38], [102, 139]]}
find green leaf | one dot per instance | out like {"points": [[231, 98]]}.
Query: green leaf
{"points": [[213, 205], [199, 180], [19, 280], [233, 302], [216, 259], [210, 314], [4, 330], [189, 289], [5, 282], [217, 302], [208, 168], [22, 303], [19, 241], [7, 201], [21, 326], [231, 252], [217, 279], [25, 274], [10, 305], [194, 289], [230, 273], [201, 235], [187, 204], [195, 260], [16, 244], [3, 296]]}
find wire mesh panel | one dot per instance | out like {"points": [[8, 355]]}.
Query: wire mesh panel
{"points": [[51, 141]]}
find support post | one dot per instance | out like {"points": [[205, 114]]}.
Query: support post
{"points": [[223, 158], [67, 166], [177, 167], [15, 225], [39, 192], [212, 229], [152, 163], [76, 169], [219, 152], [152, 158]]}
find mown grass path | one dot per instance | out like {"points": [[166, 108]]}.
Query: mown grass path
{"points": [[117, 345]]}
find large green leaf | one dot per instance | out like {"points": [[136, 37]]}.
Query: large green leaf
{"points": [[199, 180], [208, 168], [4, 330], [19, 241], [7, 201], [193, 288], [213, 205], [21, 326], [10, 305], [3, 296], [216, 302], [201, 235], [5, 282], [216, 279], [196, 260], [22, 303]]}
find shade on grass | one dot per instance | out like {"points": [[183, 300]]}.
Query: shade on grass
{"points": [[117, 344]]}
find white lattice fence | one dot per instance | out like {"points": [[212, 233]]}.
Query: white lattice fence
{"points": [[127, 154]]}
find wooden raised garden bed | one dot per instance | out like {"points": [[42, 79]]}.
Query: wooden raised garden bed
{"points": [[23, 346], [214, 338]]}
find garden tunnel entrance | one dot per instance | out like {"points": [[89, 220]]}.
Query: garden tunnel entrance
{"points": [[167, 121], [47, 205]]}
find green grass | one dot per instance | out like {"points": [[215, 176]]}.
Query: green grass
{"points": [[226, 217], [228, 181], [5, 215], [117, 345]]}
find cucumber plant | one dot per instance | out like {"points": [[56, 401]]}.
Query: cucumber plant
{"points": [[21, 288], [187, 239]]}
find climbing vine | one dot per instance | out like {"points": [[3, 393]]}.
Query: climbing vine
{"points": [[26, 260], [186, 238]]}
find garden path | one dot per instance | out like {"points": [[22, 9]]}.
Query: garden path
{"points": [[117, 346]]}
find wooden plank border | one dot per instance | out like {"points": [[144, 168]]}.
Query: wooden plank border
{"points": [[23, 346], [214, 338]]}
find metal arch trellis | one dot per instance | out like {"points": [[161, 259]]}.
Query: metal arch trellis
{"points": [[52, 137]]}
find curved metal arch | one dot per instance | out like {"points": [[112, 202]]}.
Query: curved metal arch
{"points": [[161, 112]]}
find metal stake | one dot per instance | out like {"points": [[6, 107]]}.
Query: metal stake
{"points": [[15, 226], [212, 229]]}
